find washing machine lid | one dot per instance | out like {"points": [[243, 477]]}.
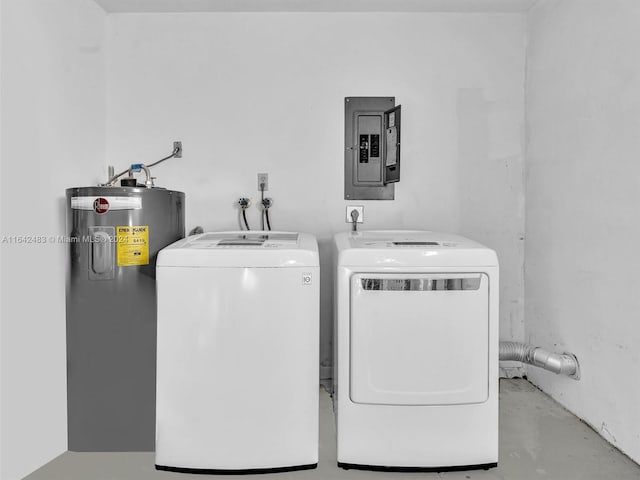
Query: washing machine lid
{"points": [[242, 249], [410, 248]]}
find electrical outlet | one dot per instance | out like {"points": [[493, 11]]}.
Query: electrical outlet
{"points": [[359, 209], [263, 178], [177, 147]]}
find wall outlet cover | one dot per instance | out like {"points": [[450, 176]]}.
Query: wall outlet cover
{"points": [[263, 178], [359, 209], [177, 147]]}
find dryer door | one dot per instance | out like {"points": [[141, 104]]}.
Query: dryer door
{"points": [[419, 339]]}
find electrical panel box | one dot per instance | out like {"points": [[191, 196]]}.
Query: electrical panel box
{"points": [[372, 148]]}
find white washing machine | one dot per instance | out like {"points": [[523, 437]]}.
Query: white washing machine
{"points": [[237, 371], [416, 351]]}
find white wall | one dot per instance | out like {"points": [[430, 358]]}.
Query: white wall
{"points": [[52, 137], [583, 192], [250, 93]]}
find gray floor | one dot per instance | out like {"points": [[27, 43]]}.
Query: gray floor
{"points": [[538, 439]]}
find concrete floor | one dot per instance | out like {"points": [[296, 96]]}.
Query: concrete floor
{"points": [[538, 440]]}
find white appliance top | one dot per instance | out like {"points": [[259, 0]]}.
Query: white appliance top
{"points": [[392, 248], [244, 240], [242, 249]]}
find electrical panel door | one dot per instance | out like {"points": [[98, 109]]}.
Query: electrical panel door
{"points": [[391, 167], [372, 148]]}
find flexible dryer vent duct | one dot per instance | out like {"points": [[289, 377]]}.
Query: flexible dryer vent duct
{"points": [[565, 363]]}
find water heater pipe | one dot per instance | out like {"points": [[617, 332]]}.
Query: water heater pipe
{"points": [[136, 167], [176, 153], [565, 363]]}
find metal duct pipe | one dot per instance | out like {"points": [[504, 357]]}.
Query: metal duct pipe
{"points": [[565, 363]]}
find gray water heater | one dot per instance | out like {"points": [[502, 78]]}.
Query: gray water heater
{"points": [[115, 234]]}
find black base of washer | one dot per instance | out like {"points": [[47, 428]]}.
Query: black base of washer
{"points": [[247, 471], [380, 468]]}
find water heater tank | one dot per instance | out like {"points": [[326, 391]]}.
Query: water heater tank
{"points": [[115, 235]]}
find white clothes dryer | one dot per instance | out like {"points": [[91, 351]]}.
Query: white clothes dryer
{"points": [[416, 351]]}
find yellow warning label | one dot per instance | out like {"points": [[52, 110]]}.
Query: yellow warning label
{"points": [[133, 245]]}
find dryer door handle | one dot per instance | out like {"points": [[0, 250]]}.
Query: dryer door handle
{"points": [[423, 283]]}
